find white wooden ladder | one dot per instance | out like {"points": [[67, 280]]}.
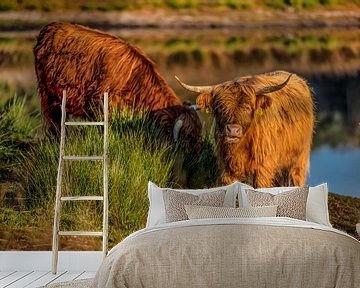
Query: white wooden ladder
{"points": [[60, 199]]}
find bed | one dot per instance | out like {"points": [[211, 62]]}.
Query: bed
{"points": [[234, 252]]}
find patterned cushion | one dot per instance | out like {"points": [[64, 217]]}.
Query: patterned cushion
{"points": [[175, 201], [201, 212], [290, 204], [156, 213]]}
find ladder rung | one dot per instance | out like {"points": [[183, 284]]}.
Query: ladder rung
{"points": [[75, 198], [79, 123], [80, 233], [83, 157]]}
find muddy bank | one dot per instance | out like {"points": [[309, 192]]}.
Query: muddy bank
{"points": [[185, 18]]}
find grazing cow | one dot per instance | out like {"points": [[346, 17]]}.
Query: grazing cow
{"points": [[264, 126], [87, 63]]}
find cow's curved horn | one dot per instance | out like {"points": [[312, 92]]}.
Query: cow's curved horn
{"points": [[197, 89], [269, 89], [178, 124]]}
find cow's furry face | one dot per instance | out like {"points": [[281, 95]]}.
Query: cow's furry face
{"points": [[233, 106]]}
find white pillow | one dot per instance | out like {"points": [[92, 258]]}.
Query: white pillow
{"points": [[317, 210], [156, 213]]}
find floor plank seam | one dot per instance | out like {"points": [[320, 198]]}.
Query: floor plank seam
{"points": [[52, 280], [79, 275], [8, 275], [37, 279], [18, 279]]}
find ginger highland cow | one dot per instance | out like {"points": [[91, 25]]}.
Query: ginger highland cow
{"points": [[264, 127], [87, 63]]}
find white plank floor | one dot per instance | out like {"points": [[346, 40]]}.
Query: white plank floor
{"points": [[32, 279], [31, 269]]}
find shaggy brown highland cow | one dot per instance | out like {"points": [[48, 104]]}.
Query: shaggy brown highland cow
{"points": [[264, 127], [87, 63]]}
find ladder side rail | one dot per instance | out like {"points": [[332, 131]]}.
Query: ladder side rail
{"points": [[105, 178], [55, 243]]}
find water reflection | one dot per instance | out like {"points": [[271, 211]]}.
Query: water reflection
{"points": [[328, 58], [339, 167]]}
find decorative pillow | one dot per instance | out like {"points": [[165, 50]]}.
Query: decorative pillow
{"points": [[201, 212], [317, 210], [290, 204], [175, 202], [156, 214]]}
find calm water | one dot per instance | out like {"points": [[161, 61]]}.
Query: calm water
{"points": [[328, 59], [338, 167]]}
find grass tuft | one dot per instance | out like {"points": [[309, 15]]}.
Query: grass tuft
{"points": [[16, 130], [135, 157]]}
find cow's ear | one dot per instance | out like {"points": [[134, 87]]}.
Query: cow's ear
{"points": [[263, 102], [204, 100]]}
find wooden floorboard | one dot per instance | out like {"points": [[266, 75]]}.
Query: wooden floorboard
{"points": [[30, 269], [46, 279], [12, 278], [28, 279], [5, 274], [77, 277], [42, 260], [68, 276], [87, 275], [34, 279]]}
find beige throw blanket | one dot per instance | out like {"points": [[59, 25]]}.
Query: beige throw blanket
{"points": [[259, 252]]}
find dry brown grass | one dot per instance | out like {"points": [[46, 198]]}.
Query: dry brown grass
{"points": [[344, 213], [40, 239]]}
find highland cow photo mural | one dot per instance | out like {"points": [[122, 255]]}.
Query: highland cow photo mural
{"points": [[180, 143]]}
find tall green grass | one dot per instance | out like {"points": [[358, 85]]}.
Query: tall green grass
{"points": [[136, 155], [203, 170], [16, 131]]}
